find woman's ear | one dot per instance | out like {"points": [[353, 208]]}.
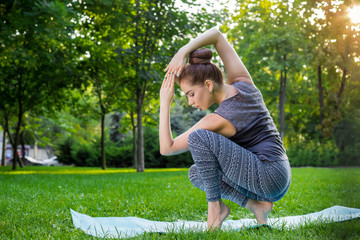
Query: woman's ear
{"points": [[210, 85]]}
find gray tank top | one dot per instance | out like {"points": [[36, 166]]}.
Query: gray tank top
{"points": [[255, 128]]}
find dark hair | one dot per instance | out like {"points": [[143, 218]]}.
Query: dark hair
{"points": [[200, 68]]}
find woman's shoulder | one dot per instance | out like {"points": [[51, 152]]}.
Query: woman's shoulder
{"points": [[247, 89], [244, 85], [219, 124]]}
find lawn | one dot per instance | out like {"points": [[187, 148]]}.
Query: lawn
{"points": [[35, 202]]}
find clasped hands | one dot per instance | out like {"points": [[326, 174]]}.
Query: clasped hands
{"points": [[173, 70]]}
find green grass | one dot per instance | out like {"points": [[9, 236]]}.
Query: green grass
{"points": [[35, 202]]}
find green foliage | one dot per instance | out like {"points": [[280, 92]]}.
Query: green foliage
{"points": [[64, 151], [86, 155], [154, 159], [72, 150], [35, 59], [35, 56], [263, 32], [347, 134], [313, 153], [184, 116], [111, 54]]}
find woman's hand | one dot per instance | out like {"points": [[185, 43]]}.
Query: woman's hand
{"points": [[177, 63], [173, 70], [167, 89]]}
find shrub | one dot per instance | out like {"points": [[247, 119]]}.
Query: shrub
{"points": [[347, 135], [153, 158], [313, 153], [64, 151], [118, 154], [86, 155]]}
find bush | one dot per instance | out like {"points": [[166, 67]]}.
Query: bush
{"points": [[71, 151], [118, 154], [306, 153], [313, 153], [64, 151], [347, 135], [86, 155], [153, 158]]}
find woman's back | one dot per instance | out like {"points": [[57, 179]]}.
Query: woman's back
{"points": [[255, 129]]}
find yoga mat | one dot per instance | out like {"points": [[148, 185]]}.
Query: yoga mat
{"points": [[121, 227]]}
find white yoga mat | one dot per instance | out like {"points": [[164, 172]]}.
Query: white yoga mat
{"points": [[119, 227]]}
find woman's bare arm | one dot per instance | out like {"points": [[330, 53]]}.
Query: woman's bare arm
{"points": [[212, 122], [235, 69]]}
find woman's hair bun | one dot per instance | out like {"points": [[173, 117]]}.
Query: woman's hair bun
{"points": [[200, 56]]}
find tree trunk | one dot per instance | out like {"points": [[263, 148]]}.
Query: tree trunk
{"points": [[22, 146], [134, 140], [103, 157], [3, 163], [16, 157], [140, 138], [14, 143], [282, 103], [35, 150], [321, 95], [282, 99], [342, 88]]}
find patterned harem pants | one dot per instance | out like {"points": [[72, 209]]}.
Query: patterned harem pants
{"points": [[223, 169]]}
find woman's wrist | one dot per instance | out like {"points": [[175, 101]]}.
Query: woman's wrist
{"points": [[207, 38], [165, 104], [184, 51]]}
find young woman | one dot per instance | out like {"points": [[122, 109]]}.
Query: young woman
{"points": [[237, 151]]}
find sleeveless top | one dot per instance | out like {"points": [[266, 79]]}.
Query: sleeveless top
{"points": [[255, 128]]}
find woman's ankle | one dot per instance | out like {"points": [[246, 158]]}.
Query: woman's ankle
{"points": [[217, 213], [261, 210]]}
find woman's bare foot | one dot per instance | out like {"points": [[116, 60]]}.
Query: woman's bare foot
{"points": [[217, 212], [261, 210]]}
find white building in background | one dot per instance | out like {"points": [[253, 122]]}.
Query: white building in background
{"points": [[31, 151]]}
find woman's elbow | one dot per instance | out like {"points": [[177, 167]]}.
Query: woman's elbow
{"points": [[165, 152], [215, 29]]}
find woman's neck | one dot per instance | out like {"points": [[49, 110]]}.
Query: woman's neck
{"points": [[223, 93]]}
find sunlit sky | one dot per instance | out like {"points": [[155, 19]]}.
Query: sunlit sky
{"points": [[230, 4], [354, 14]]}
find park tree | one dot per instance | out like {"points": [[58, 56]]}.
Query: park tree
{"points": [[333, 47], [155, 31], [3, 148], [321, 47], [337, 39], [99, 31], [150, 26], [267, 34], [35, 58]]}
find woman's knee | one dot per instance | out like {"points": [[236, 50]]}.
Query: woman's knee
{"points": [[192, 171], [196, 135], [194, 177], [199, 137]]}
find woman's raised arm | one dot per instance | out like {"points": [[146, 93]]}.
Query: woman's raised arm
{"points": [[235, 69]]}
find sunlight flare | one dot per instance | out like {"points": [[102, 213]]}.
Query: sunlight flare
{"points": [[354, 14]]}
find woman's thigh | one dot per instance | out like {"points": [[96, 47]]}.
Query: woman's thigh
{"points": [[243, 169]]}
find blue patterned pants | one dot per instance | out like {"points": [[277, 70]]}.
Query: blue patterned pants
{"points": [[223, 169]]}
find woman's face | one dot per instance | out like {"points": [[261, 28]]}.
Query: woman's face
{"points": [[198, 96]]}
